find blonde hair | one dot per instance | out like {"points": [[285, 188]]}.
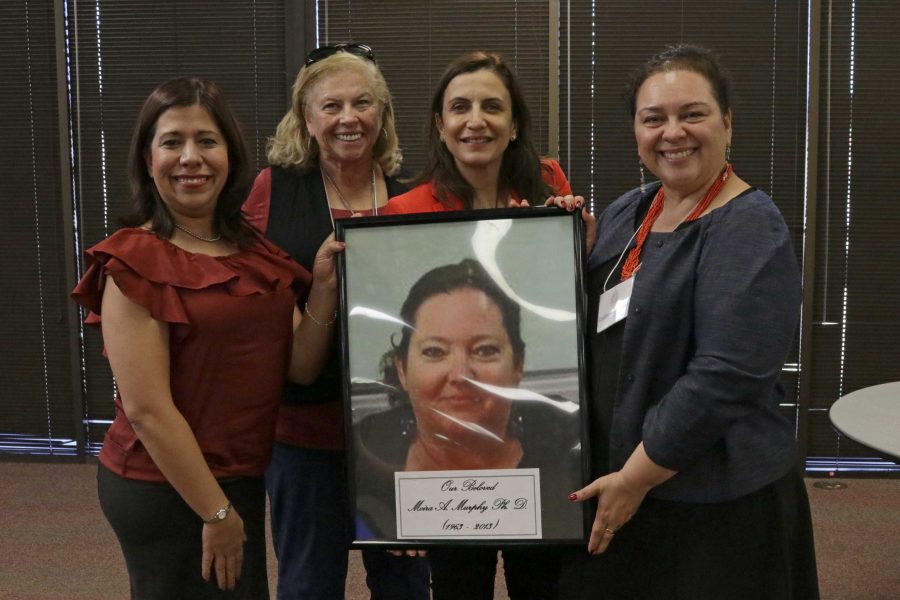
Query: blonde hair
{"points": [[293, 146]]}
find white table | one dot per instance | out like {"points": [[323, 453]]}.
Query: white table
{"points": [[871, 416]]}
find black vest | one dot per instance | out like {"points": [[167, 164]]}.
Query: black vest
{"points": [[299, 221]]}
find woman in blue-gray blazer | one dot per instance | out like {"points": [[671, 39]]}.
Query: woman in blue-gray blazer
{"points": [[694, 297]]}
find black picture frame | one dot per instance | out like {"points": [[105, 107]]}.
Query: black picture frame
{"points": [[394, 402]]}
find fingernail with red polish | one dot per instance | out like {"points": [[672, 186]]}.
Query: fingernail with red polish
{"points": [[573, 496]]}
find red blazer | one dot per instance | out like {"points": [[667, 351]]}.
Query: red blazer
{"points": [[422, 198]]}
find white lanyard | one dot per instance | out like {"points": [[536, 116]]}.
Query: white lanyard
{"points": [[613, 305]]}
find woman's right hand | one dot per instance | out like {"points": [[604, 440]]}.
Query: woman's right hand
{"points": [[617, 501], [590, 229], [223, 549]]}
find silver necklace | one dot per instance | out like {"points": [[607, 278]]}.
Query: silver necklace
{"points": [[194, 234], [341, 194]]}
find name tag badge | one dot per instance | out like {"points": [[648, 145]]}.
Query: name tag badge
{"points": [[614, 305]]}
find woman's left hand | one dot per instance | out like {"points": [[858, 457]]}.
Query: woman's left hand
{"points": [[618, 500], [572, 203], [324, 266], [569, 203]]}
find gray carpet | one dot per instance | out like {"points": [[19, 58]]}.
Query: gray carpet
{"points": [[55, 544]]}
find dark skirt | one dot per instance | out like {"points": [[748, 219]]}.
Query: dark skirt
{"points": [[160, 538], [757, 546]]}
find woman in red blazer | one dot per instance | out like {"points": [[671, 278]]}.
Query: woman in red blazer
{"points": [[481, 155], [480, 150]]}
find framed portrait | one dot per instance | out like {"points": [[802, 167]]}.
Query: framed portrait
{"points": [[463, 360]]}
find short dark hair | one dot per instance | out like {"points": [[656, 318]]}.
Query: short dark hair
{"points": [[147, 205], [684, 57], [448, 278], [521, 167]]}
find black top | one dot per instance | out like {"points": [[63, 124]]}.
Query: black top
{"points": [[299, 221], [606, 352], [549, 442]]}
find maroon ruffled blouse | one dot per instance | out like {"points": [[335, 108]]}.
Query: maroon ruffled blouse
{"points": [[230, 336]]}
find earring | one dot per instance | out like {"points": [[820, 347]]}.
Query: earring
{"points": [[408, 425], [512, 138], [727, 153], [643, 182]]}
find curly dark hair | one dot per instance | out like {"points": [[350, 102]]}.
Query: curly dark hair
{"points": [[684, 57]]}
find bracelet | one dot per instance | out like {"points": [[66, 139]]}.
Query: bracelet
{"points": [[315, 320]]}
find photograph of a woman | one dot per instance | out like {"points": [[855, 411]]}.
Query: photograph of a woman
{"points": [[454, 370], [465, 331]]}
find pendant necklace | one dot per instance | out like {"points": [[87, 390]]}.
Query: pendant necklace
{"points": [[211, 239], [344, 200]]}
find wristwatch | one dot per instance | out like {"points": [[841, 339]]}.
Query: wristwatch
{"points": [[219, 515]]}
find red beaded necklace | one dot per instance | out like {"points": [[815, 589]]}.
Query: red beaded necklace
{"points": [[633, 260]]}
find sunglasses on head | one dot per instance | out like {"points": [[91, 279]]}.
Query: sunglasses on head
{"points": [[322, 52]]}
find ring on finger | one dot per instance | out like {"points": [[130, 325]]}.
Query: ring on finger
{"points": [[610, 532]]}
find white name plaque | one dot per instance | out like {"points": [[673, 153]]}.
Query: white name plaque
{"points": [[468, 505]]}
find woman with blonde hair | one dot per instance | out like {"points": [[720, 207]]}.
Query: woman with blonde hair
{"points": [[334, 155]]}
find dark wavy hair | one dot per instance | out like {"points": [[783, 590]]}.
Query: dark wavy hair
{"points": [[445, 279], [684, 57], [521, 167], [147, 205]]}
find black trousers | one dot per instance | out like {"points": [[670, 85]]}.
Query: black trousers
{"points": [[160, 537], [756, 547], [468, 573]]}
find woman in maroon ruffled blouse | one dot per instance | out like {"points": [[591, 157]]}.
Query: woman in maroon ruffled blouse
{"points": [[201, 327]]}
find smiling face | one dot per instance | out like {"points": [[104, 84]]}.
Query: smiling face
{"points": [[680, 130], [458, 334], [188, 161], [343, 115], [476, 120]]}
